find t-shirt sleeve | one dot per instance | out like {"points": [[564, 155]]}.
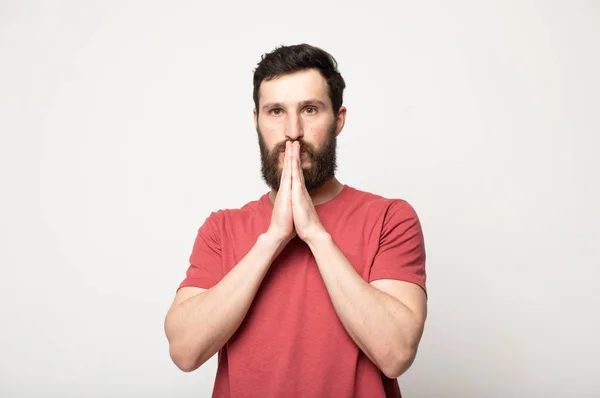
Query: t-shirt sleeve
{"points": [[401, 253], [205, 268]]}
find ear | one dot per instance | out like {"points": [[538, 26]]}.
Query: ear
{"points": [[255, 118], [340, 120]]}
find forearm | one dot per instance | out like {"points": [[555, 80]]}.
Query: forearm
{"points": [[199, 326], [384, 328]]}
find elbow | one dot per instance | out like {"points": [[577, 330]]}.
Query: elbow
{"points": [[182, 353], [398, 362], [183, 359], [399, 356]]}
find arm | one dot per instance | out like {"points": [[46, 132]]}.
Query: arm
{"points": [[201, 321], [385, 318]]}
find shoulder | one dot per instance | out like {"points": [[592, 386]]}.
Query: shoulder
{"points": [[397, 219], [219, 218], [383, 205]]}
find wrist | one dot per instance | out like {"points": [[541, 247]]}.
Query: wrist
{"points": [[274, 240], [318, 237]]}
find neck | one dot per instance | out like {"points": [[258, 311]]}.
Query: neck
{"points": [[319, 195]]}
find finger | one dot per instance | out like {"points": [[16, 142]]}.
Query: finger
{"points": [[296, 182], [294, 167], [283, 169], [298, 155], [297, 164], [300, 170], [297, 178], [286, 174], [295, 153], [289, 154]]}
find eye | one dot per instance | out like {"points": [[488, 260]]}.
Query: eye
{"points": [[276, 111], [310, 110]]}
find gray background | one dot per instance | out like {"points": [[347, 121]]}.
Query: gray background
{"points": [[124, 124]]}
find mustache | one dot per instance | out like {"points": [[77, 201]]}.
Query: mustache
{"points": [[304, 147]]}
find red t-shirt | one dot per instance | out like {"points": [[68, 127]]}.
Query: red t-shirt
{"points": [[291, 343]]}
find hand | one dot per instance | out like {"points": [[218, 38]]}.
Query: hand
{"points": [[305, 217], [282, 223]]}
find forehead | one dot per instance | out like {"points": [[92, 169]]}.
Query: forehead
{"points": [[294, 88]]}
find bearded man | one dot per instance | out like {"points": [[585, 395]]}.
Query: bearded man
{"points": [[316, 289]]}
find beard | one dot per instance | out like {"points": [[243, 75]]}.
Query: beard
{"points": [[323, 161]]}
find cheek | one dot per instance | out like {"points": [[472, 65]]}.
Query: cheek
{"points": [[317, 135], [269, 136], [269, 128], [319, 129], [270, 139]]}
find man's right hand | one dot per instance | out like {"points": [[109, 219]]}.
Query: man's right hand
{"points": [[200, 321], [282, 221]]}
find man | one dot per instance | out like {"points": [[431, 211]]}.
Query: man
{"points": [[317, 289]]}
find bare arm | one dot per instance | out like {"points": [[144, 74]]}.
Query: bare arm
{"points": [[201, 321], [385, 319]]}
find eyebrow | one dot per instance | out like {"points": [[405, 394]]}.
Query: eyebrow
{"points": [[301, 103]]}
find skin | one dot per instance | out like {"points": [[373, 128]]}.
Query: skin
{"points": [[385, 318], [297, 106]]}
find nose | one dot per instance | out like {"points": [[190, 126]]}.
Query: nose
{"points": [[293, 128]]}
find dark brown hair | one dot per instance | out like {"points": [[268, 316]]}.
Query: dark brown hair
{"points": [[289, 59]]}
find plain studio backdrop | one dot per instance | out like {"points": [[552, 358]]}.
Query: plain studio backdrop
{"points": [[124, 124]]}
